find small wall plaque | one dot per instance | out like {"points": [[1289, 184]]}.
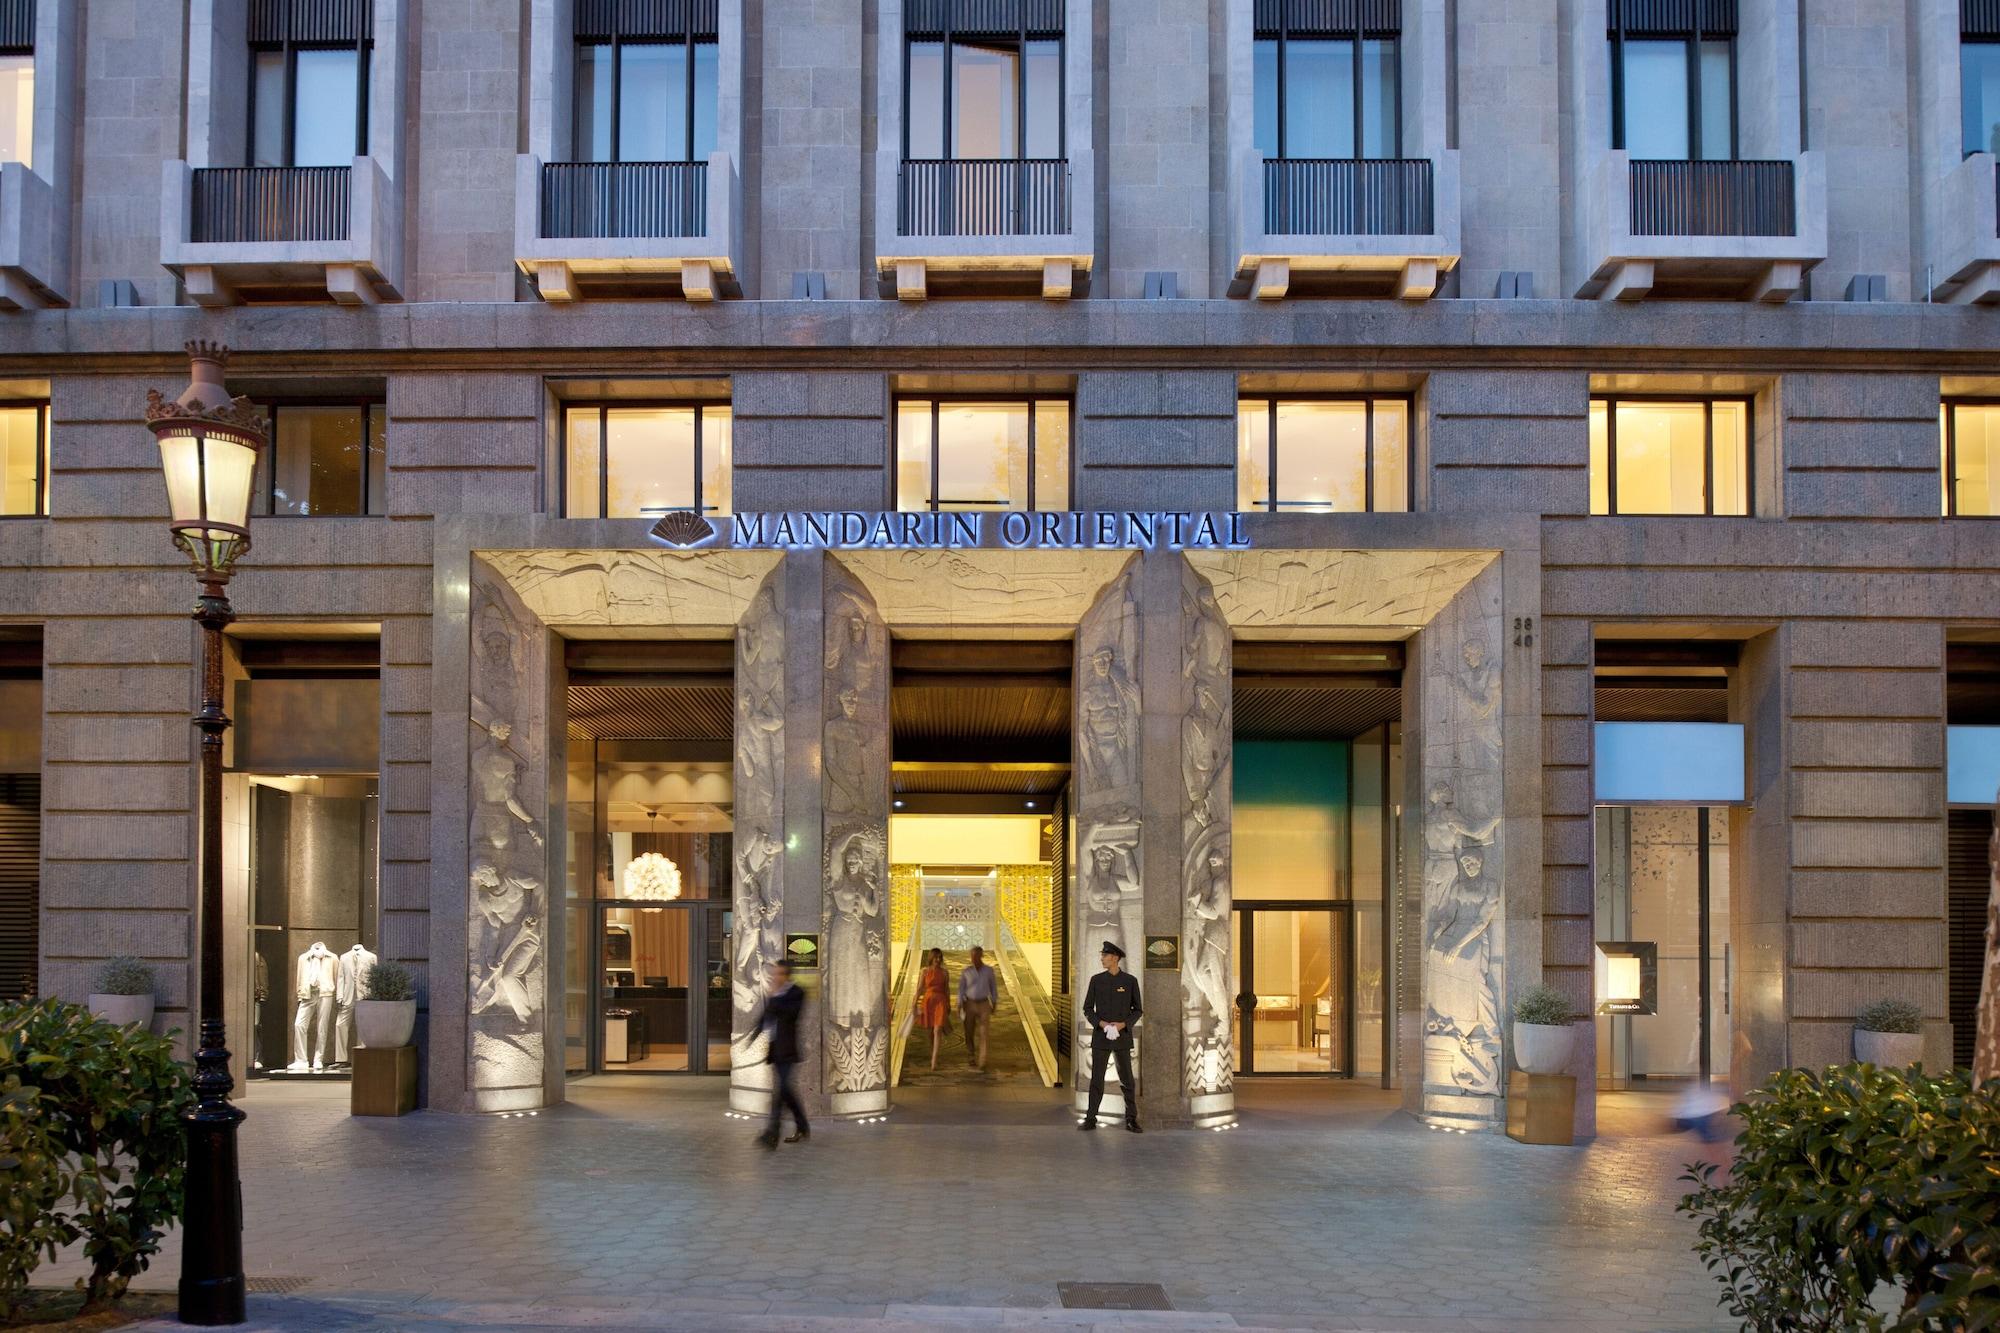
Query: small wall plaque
{"points": [[1163, 953], [802, 952]]}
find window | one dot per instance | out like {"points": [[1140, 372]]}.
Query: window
{"points": [[1660, 456], [1324, 92], [325, 459], [1673, 93], [966, 454], [308, 90], [982, 94], [24, 453], [646, 95], [17, 107], [1979, 94], [633, 461], [1323, 455], [1971, 470]]}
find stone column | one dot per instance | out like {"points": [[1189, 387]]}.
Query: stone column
{"points": [[507, 806], [759, 938], [1109, 903], [1454, 1074], [854, 805]]}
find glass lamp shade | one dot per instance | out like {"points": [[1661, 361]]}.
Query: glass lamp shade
{"points": [[210, 475]]}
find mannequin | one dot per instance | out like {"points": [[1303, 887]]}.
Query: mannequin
{"points": [[350, 984], [318, 971]]}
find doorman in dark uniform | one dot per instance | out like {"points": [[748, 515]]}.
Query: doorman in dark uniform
{"points": [[1111, 1007]]}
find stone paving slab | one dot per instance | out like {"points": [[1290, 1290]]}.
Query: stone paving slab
{"points": [[639, 1205]]}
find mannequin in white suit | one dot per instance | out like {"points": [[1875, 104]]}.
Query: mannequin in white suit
{"points": [[350, 984], [318, 973]]}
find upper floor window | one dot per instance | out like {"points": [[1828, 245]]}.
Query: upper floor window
{"points": [[17, 105], [308, 82], [1668, 456], [1673, 79], [1327, 79], [1323, 455], [24, 455], [978, 91], [645, 82], [325, 459], [1971, 470], [1979, 80], [982, 454], [643, 460]]}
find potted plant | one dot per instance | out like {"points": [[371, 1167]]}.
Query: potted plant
{"points": [[124, 994], [388, 1014], [1889, 1034], [1541, 1030]]}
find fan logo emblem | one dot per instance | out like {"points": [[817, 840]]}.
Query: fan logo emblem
{"points": [[682, 527]]}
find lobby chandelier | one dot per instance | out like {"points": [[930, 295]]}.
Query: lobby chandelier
{"points": [[650, 876]]}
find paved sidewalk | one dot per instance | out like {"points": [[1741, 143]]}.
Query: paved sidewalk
{"points": [[640, 1206]]}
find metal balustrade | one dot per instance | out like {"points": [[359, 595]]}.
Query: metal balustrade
{"points": [[1325, 196], [256, 204], [984, 197], [624, 199], [1679, 198]]}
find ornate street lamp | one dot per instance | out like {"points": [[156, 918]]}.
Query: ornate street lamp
{"points": [[209, 447]]}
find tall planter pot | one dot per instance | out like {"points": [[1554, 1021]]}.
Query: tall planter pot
{"points": [[124, 1010], [380, 1024], [1888, 1050], [1541, 1048]]}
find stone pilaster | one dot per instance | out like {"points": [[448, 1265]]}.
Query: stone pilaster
{"points": [[759, 938]]}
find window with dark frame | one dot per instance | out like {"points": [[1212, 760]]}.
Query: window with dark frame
{"points": [[1670, 455], [309, 81], [1970, 444], [1673, 79], [641, 460], [973, 90], [1324, 454], [1979, 77], [978, 452], [24, 459], [1327, 79], [327, 459], [646, 82]]}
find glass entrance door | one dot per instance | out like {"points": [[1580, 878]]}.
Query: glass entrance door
{"points": [[1293, 968], [663, 996]]}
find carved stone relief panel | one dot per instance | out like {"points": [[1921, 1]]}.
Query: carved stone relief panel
{"points": [[507, 805], [991, 594], [1302, 594], [642, 588], [759, 938], [1105, 791], [1206, 762], [1463, 951], [855, 810]]}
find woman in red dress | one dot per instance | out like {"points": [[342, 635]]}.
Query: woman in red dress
{"points": [[933, 999]]}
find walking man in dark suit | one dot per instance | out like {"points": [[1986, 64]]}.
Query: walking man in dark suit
{"points": [[781, 1019], [1111, 1007]]}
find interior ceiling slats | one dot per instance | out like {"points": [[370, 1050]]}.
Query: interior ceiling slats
{"points": [[1333, 713], [650, 712], [1661, 705], [970, 714], [977, 780]]}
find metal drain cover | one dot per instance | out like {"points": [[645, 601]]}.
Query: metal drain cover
{"points": [[1113, 1296], [276, 1286]]}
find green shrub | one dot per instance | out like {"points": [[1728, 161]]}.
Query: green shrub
{"points": [[391, 981], [1850, 1178], [1890, 1016], [124, 976], [1542, 1005], [91, 1145]]}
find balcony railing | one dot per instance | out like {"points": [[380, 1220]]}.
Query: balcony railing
{"points": [[1676, 198], [1326, 196], [624, 199], [251, 204], [984, 197]]}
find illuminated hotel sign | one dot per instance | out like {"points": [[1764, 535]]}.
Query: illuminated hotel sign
{"points": [[854, 529]]}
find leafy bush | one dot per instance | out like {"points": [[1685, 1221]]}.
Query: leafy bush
{"points": [[1542, 1005], [1890, 1016], [1850, 1178], [124, 976], [91, 1145], [391, 981]]}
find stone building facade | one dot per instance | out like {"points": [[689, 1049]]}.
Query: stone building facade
{"points": [[1536, 282]]}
